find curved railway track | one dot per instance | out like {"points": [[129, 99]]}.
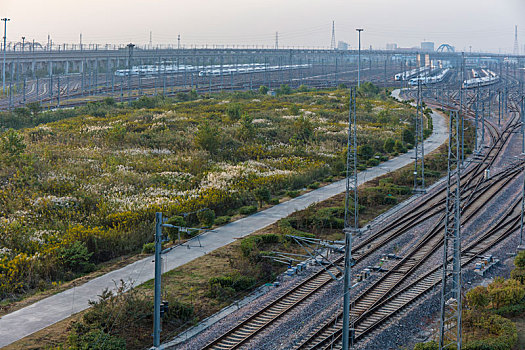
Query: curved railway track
{"points": [[475, 188]]}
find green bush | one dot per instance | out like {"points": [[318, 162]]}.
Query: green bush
{"points": [[270, 238], [314, 186], [432, 345], [248, 210], [148, 248], [206, 217], [234, 111], [222, 220], [250, 245], [263, 90], [292, 194], [75, 257], [274, 201], [95, 340]]}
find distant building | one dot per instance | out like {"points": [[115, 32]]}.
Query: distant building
{"points": [[341, 45], [391, 46], [427, 46]]}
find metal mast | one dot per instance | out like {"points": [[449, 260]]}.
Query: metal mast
{"points": [[450, 322], [276, 40], [419, 164], [516, 45], [351, 223], [359, 30], [130, 65], [332, 43]]}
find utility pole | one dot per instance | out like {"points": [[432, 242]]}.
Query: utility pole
{"points": [[359, 30], [150, 39], [130, 58], [350, 227], [80, 41], [419, 150], [450, 320], [5, 48], [276, 40], [178, 42], [158, 276]]}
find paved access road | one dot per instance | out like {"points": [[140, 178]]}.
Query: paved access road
{"points": [[50, 310]]}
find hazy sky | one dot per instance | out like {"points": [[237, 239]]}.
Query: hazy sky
{"points": [[484, 24]]}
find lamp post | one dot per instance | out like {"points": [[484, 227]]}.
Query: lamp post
{"points": [[5, 47], [359, 30]]}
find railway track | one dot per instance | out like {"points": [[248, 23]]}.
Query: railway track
{"points": [[387, 296], [402, 296], [247, 329]]}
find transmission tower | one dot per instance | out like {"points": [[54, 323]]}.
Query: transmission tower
{"points": [[419, 164], [332, 43], [450, 322], [516, 45], [276, 40], [351, 222]]}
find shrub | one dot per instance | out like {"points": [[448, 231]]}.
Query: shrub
{"points": [[248, 209], [292, 194], [294, 109], [206, 217], [302, 88], [263, 90], [148, 248], [519, 260], [234, 111], [478, 298], [314, 186], [75, 257], [249, 245], [388, 145], [274, 201], [222, 220], [96, 340], [11, 145], [270, 238], [432, 345]]}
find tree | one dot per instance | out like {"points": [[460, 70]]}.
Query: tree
{"points": [[408, 136], [302, 88], [262, 194], [367, 106], [342, 86], [208, 137], [284, 90], [263, 90], [35, 108], [365, 152], [389, 145]]}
